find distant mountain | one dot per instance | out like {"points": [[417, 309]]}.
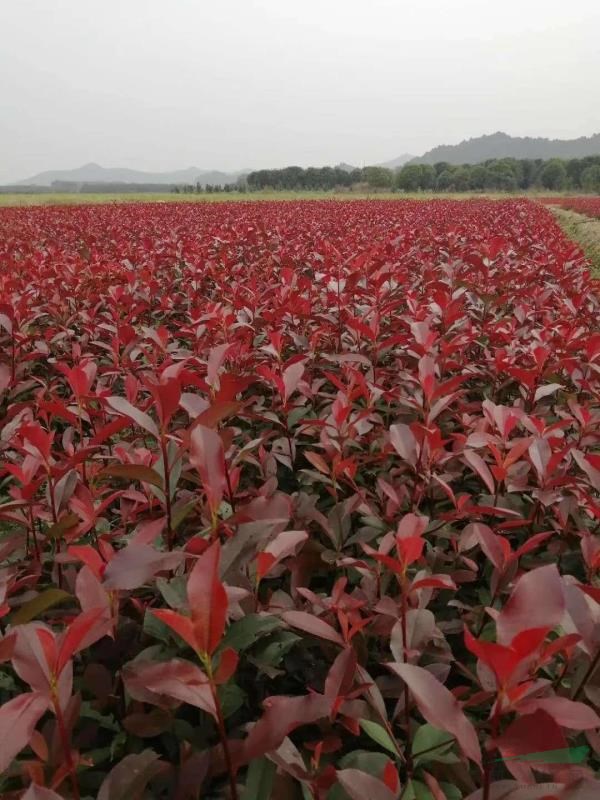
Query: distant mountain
{"points": [[501, 145], [94, 173], [396, 163]]}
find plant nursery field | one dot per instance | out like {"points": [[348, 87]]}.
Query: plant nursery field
{"points": [[298, 500], [588, 205]]}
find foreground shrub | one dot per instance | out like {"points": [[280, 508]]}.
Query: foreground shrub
{"points": [[298, 500]]}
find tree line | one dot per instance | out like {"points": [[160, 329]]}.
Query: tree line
{"points": [[504, 174]]}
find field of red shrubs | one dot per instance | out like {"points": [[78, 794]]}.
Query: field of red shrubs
{"points": [[298, 500], [588, 205]]}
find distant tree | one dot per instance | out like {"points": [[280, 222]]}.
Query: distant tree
{"points": [[445, 181], [590, 179], [479, 177], [427, 177], [501, 176], [461, 179], [441, 166], [409, 178], [554, 175], [530, 170], [378, 177]]}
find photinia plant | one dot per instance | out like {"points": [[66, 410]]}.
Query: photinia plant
{"points": [[298, 500]]}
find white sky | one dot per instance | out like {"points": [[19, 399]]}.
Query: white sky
{"points": [[229, 84]]}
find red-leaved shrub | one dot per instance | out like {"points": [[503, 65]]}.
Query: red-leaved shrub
{"points": [[298, 500]]}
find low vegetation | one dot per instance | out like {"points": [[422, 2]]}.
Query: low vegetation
{"points": [[504, 175], [298, 500]]}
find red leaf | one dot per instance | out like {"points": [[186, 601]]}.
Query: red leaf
{"points": [[81, 633], [282, 716], [227, 665], [359, 785], [216, 357], [134, 414], [391, 778], [313, 625], [136, 564], [531, 544], [291, 378], [284, 545], [217, 413], [404, 442], [167, 395], [89, 556], [530, 733], [340, 677], [129, 777], [317, 460], [439, 707], [207, 599], [495, 547], [410, 549], [177, 679], [134, 472], [565, 712], [586, 465], [181, 625], [264, 562], [116, 426], [207, 456], [433, 582], [537, 601], [36, 792], [503, 661], [540, 454], [18, 719], [476, 462]]}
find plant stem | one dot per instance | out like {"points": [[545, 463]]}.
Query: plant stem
{"points": [[403, 613], [224, 743], [590, 671], [229, 489], [64, 740], [487, 766], [166, 470]]}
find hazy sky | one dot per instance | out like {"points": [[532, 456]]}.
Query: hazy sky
{"points": [[165, 84]]}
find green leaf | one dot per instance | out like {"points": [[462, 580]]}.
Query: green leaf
{"points": [[68, 521], [306, 792], [365, 761], [181, 512], [272, 652], [566, 755], [259, 779], [415, 790], [244, 633], [379, 734], [134, 472], [232, 698], [106, 721], [451, 791], [433, 744], [175, 466], [157, 629], [295, 415], [173, 591], [45, 600]]}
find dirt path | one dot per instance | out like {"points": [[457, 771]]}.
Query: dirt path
{"points": [[583, 230]]}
